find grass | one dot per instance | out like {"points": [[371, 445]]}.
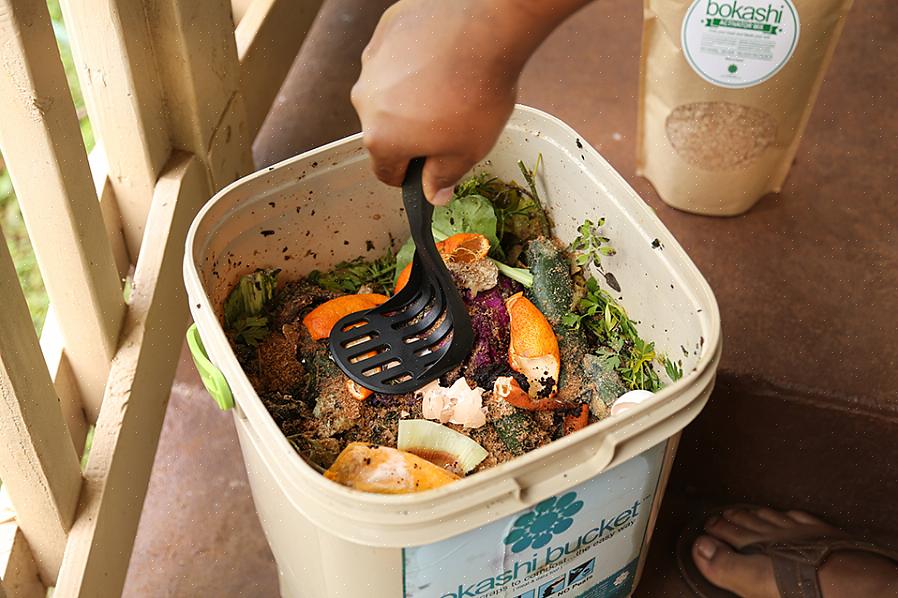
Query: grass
{"points": [[11, 220]]}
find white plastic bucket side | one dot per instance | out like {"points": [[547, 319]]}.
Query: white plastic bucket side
{"points": [[306, 552], [255, 217], [313, 563]]}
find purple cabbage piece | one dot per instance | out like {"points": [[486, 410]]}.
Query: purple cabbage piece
{"points": [[490, 322]]}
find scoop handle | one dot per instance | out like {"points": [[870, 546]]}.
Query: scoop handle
{"points": [[419, 212]]}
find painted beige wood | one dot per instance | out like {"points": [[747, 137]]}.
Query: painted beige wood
{"points": [[230, 156], [239, 8], [38, 465], [18, 571], [127, 431], [112, 218], [268, 38], [64, 381], [52, 343], [197, 60], [42, 146], [113, 54]]}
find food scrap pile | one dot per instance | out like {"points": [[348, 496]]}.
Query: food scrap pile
{"points": [[553, 350]]}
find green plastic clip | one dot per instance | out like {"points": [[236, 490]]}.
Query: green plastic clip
{"points": [[213, 379]]}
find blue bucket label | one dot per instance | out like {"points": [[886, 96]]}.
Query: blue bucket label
{"points": [[581, 543]]}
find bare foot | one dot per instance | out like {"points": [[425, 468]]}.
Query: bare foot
{"points": [[845, 573]]}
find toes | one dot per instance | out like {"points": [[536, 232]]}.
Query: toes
{"points": [[744, 575], [749, 521], [805, 518], [735, 535], [776, 518]]}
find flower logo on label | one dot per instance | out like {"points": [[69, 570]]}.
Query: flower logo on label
{"points": [[535, 528]]}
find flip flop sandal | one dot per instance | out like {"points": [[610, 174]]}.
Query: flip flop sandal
{"points": [[795, 564]]}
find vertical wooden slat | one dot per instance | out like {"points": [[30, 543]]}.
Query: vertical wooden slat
{"points": [[229, 155], [127, 432], [41, 143], [18, 571], [196, 57], [64, 381], [173, 76], [268, 38], [112, 218], [112, 48], [52, 343], [38, 465], [239, 8]]}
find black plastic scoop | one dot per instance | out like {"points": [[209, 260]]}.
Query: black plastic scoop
{"points": [[421, 332]]}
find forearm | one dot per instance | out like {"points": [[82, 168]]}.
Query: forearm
{"points": [[522, 25]]}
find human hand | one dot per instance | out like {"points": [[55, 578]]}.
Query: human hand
{"points": [[439, 80]]}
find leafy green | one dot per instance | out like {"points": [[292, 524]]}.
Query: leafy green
{"points": [[244, 308], [519, 213], [590, 246], [502, 212], [673, 368], [349, 277], [470, 214], [606, 321], [407, 252]]}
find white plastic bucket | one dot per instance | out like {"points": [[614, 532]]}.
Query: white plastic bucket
{"points": [[575, 515]]}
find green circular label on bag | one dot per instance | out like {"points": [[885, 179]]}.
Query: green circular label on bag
{"points": [[739, 43]]}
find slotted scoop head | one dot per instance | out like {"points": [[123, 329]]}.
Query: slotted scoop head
{"points": [[421, 332]]}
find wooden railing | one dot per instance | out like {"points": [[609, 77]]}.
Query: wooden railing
{"points": [[175, 93]]}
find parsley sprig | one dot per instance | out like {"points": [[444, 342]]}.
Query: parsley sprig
{"points": [[349, 277]]}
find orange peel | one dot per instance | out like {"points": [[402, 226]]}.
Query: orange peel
{"points": [[386, 470], [533, 350], [402, 279], [508, 389], [321, 320], [462, 248]]}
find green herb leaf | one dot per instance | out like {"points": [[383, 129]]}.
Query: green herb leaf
{"points": [[605, 319], [590, 246], [404, 257], [349, 277], [673, 368], [244, 308]]}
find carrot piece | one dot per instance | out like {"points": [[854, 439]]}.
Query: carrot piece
{"points": [[576, 421]]}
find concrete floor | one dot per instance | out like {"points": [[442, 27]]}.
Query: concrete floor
{"points": [[805, 281]]}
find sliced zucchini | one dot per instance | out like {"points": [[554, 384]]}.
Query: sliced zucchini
{"points": [[553, 289]]}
